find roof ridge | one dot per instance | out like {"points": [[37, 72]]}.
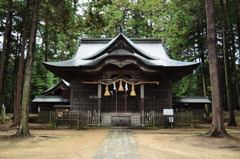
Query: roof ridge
{"points": [[113, 42]]}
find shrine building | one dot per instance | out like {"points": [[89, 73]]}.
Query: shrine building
{"points": [[120, 75]]}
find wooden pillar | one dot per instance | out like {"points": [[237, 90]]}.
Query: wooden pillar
{"points": [[71, 93], [170, 94], [50, 117], [142, 102], [99, 103]]}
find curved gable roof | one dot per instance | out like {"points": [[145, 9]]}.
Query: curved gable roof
{"points": [[114, 41], [92, 52], [151, 51]]}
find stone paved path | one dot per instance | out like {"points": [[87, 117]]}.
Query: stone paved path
{"points": [[119, 144]]}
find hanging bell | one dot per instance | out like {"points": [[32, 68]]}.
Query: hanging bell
{"points": [[107, 93], [133, 93], [120, 87]]}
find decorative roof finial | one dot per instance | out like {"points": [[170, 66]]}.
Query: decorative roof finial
{"points": [[120, 30]]}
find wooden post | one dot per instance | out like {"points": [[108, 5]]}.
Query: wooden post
{"points": [[153, 117], [50, 117], [116, 109], [99, 104], [170, 94], [78, 121], [3, 114], [125, 104], [182, 119], [142, 118], [191, 118], [54, 119], [142, 102], [89, 114]]}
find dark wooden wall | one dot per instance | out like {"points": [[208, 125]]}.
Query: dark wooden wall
{"points": [[156, 97]]}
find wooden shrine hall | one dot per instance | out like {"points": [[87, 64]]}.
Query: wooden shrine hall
{"points": [[120, 76]]}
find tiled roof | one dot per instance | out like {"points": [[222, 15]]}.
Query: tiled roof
{"points": [[198, 99], [150, 51], [49, 99]]}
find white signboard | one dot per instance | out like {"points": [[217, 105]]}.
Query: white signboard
{"points": [[170, 119], [167, 111]]}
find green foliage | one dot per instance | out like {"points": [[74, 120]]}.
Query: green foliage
{"points": [[102, 18], [180, 24], [3, 5], [9, 81], [59, 30], [188, 86], [39, 80]]}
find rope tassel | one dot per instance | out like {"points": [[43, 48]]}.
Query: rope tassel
{"points": [[120, 89], [107, 93], [133, 93]]}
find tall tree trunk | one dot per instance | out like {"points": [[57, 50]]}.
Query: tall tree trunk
{"points": [[237, 21], [18, 96], [233, 60], [24, 129], [6, 85], [217, 129], [202, 57], [16, 63], [4, 49], [205, 90], [232, 121], [238, 35], [46, 41]]}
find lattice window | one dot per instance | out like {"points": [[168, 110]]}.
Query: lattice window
{"points": [[75, 94], [157, 104], [85, 97]]}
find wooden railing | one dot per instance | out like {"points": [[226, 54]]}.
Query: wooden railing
{"points": [[73, 118], [183, 118], [157, 118], [90, 118]]}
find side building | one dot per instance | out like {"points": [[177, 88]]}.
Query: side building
{"points": [[55, 98]]}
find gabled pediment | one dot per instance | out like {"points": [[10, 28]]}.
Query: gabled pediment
{"points": [[120, 63], [62, 84], [120, 45]]}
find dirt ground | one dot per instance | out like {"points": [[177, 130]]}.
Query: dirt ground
{"points": [[177, 143], [185, 144], [52, 144]]}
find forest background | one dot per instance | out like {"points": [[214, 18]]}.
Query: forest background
{"points": [[180, 23]]}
